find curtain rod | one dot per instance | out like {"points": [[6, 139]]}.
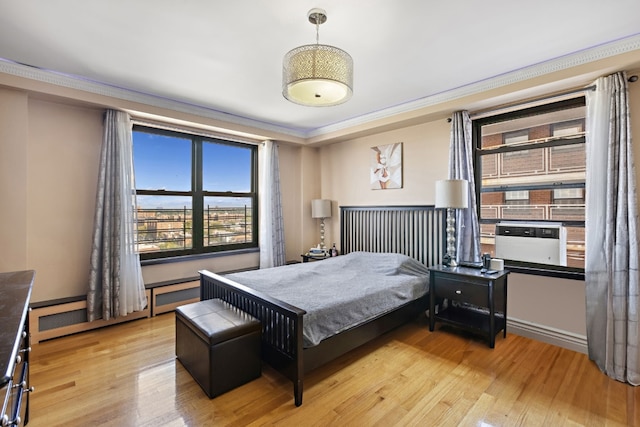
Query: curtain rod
{"points": [[194, 131], [630, 79], [511, 107]]}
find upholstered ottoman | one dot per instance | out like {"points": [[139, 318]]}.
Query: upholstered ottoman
{"points": [[218, 344]]}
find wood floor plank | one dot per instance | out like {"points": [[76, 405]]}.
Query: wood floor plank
{"points": [[127, 375]]}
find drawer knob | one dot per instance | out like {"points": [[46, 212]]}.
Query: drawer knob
{"points": [[459, 292]]}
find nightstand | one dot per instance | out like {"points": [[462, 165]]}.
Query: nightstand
{"points": [[308, 257], [486, 293]]}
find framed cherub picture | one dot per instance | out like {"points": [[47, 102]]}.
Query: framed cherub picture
{"points": [[386, 166]]}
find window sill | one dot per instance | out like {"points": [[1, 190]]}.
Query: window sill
{"points": [[573, 274], [194, 257]]}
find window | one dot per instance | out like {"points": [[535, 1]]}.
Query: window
{"points": [[515, 138], [530, 172], [195, 194], [568, 195], [516, 197]]}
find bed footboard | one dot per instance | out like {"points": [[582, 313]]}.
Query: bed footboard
{"points": [[281, 324]]}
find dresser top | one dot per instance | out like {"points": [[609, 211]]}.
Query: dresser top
{"points": [[15, 293]]}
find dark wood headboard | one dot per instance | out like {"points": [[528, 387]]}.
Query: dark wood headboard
{"points": [[416, 231]]}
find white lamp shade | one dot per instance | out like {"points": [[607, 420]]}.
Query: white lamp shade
{"points": [[452, 193], [321, 208]]}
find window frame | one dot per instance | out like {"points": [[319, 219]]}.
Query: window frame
{"points": [[478, 153], [198, 195]]}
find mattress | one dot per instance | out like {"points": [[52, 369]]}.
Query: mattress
{"points": [[342, 292]]}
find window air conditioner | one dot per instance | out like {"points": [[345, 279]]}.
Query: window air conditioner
{"points": [[542, 243]]}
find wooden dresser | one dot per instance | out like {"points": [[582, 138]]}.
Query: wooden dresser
{"points": [[15, 294]]}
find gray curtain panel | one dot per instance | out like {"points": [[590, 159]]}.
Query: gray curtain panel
{"points": [[116, 287], [611, 267], [461, 167], [272, 248]]}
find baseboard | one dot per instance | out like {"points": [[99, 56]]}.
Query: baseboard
{"points": [[53, 321], [547, 334]]}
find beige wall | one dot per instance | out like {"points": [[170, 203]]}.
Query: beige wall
{"points": [[49, 158], [552, 303], [63, 149], [545, 301], [299, 184], [351, 163], [49, 149], [14, 128], [346, 165]]}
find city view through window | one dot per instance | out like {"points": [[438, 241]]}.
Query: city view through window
{"points": [[533, 172], [193, 194]]}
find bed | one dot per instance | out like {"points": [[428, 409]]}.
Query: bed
{"points": [[417, 232]]}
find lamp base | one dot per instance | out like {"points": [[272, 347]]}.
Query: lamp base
{"points": [[451, 237], [322, 245]]}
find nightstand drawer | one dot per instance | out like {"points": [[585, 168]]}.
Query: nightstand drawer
{"points": [[462, 290]]}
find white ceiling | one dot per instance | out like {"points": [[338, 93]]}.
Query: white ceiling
{"points": [[225, 57]]}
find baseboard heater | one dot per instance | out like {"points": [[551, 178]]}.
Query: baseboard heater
{"points": [[53, 319], [57, 318]]}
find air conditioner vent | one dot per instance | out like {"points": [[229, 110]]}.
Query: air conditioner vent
{"points": [[542, 243]]}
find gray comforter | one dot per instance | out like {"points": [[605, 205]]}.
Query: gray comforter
{"points": [[342, 292]]}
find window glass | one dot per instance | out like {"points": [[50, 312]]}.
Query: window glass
{"points": [[226, 167], [572, 128], [227, 220], [162, 162], [536, 166], [217, 214], [532, 166], [516, 195], [520, 197], [568, 193], [164, 223]]}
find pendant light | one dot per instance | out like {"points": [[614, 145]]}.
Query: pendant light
{"points": [[317, 75]]}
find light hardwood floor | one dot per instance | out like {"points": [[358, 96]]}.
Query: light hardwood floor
{"points": [[127, 375]]}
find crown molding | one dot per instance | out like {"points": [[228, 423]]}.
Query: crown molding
{"points": [[586, 56], [99, 88]]}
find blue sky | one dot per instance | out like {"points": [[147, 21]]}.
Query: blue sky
{"points": [[164, 162]]}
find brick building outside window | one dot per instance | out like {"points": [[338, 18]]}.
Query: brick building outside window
{"points": [[530, 168]]}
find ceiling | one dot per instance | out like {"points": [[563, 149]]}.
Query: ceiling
{"points": [[224, 58]]}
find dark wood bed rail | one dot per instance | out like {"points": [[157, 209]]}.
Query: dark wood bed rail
{"points": [[416, 231], [281, 322]]}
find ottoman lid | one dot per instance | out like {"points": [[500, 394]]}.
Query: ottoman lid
{"points": [[216, 321]]}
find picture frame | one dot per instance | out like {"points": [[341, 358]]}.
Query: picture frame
{"points": [[386, 166]]}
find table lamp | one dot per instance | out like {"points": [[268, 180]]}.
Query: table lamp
{"points": [[321, 208], [452, 194]]}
